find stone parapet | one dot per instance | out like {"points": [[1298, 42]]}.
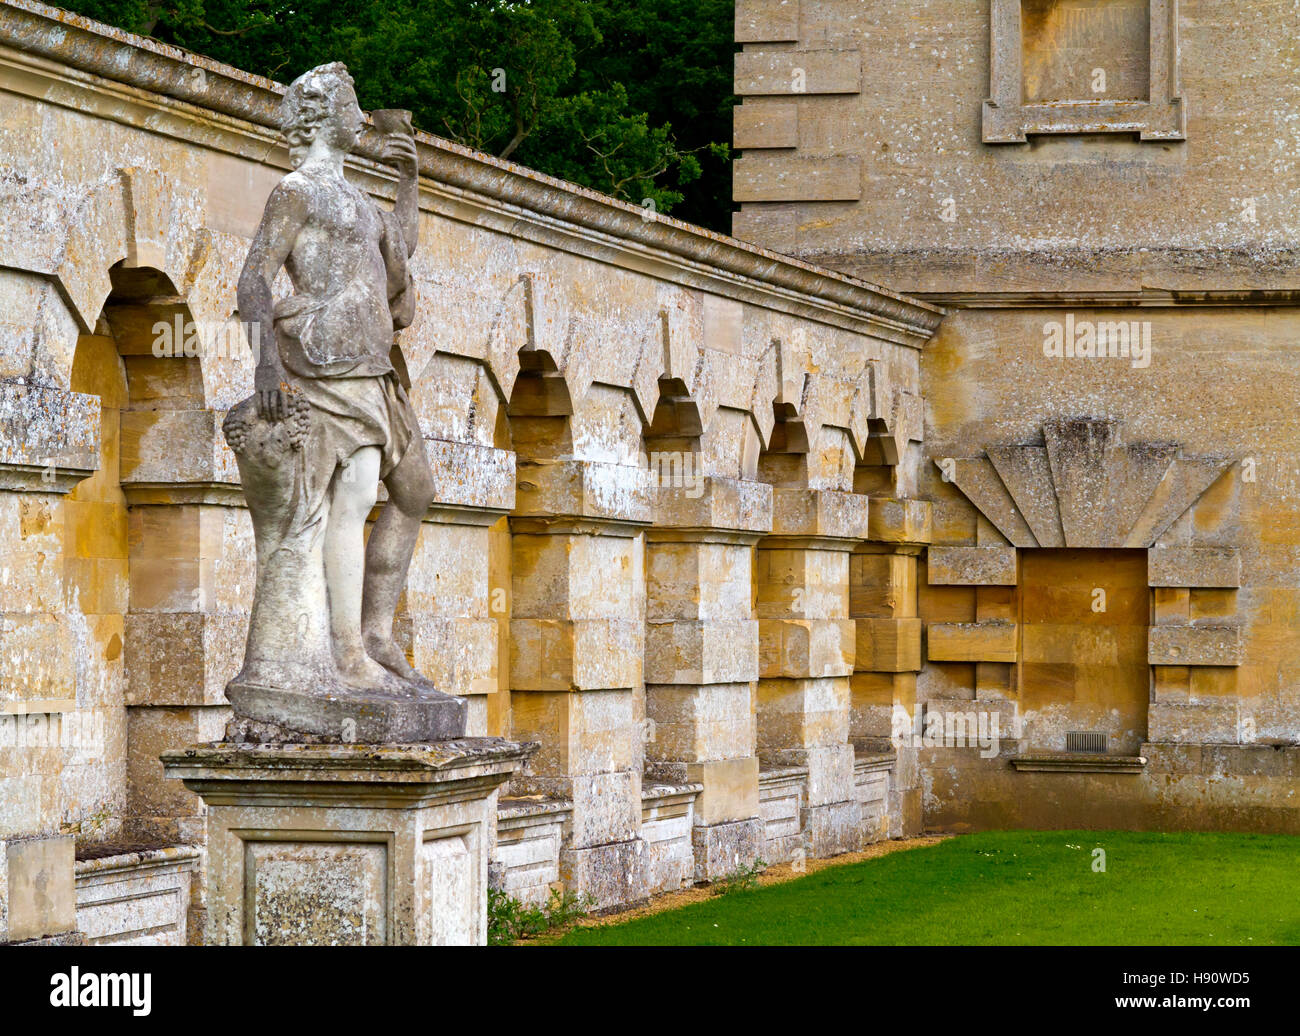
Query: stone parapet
{"points": [[139, 898]]}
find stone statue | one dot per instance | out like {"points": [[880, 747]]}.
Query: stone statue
{"points": [[328, 420]]}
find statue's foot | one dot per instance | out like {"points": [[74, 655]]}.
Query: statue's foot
{"points": [[384, 651], [360, 670]]}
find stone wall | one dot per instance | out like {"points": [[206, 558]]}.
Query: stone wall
{"points": [[677, 530], [1103, 196]]}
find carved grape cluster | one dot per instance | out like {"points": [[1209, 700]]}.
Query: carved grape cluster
{"points": [[240, 425], [236, 431], [299, 421]]}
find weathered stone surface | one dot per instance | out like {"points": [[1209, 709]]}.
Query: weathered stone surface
{"points": [[48, 438], [525, 861], [729, 787], [1194, 566], [269, 715], [765, 124], [766, 176], [38, 889], [667, 820], [871, 785], [971, 566], [798, 72], [971, 642], [1195, 645], [767, 21], [899, 521], [781, 798], [615, 875], [723, 849], [137, 898], [341, 845], [831, 829]]}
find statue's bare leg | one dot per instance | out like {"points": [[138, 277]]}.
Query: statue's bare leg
{"points": [[352, 495], [388, 556]]}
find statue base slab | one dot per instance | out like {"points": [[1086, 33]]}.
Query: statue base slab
{"points": [[408, 715], [346, 845]]}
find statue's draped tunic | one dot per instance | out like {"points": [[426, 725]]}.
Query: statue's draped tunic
{"points": [[339, 349]]}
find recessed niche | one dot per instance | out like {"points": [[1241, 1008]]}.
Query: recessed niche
{"points": [[1083, 66]]}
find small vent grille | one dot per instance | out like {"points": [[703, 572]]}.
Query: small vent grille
{"points": [[1086, 742]]}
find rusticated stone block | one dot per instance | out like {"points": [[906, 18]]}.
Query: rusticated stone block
{"points": [[805, 647], [765, 124], [899, 521], [795, 714], [1194, 722], [798, 72], [175, 446], [615, 876], [159, 808], [1194, 566], [688, 580], [882, 585], [39, 653], [888, 645], [583, 489], [182, 658], [723, 849], [831, 829], [729, 786], [767, 21], [712, 721], [782, 176], [971, 566], [49, 438], [471, 476], [801, 583], [606, 807], [583, 732], [581, 654], [1194, 645], [828, 771], [819, 513], [691, 651], [713, 503], [971, 641]]}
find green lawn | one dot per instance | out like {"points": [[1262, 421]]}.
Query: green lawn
{"points": [[1010, 888]]}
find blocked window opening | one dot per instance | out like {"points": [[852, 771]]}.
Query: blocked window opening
{"points": [[1083, 660]]}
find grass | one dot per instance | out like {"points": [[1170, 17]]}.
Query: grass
{"points": [[510, 921], [1009, 888]]}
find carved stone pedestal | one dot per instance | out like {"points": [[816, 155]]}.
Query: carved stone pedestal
{"points": [[348, 844]]}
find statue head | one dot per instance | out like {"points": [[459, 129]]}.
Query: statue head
{"points": [[321, 104]]}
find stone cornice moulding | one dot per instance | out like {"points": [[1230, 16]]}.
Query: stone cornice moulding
{"points": [[53, 83], [172, 74], [1145, 298]]}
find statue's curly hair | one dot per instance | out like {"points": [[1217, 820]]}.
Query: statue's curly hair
{"points": [[310, 99]]}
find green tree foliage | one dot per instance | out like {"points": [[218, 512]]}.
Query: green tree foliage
{"points": [[629, 97]]}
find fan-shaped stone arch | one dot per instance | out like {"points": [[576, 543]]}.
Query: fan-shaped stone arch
{"points": [[1084, 486]]}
